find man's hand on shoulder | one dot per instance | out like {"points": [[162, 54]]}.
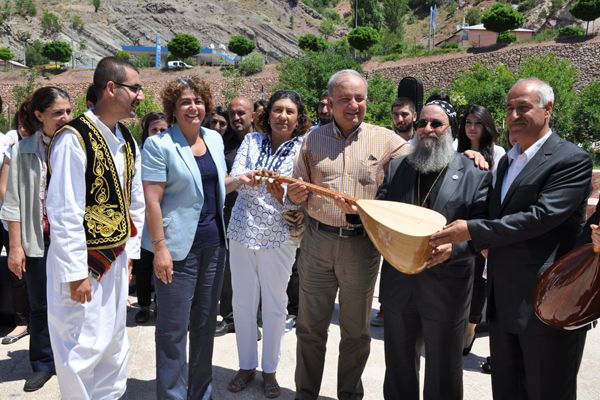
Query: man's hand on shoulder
{"points": [[81, 290], [478, 159]]}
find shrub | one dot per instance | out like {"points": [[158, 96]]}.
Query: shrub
{"points": [[34, 54], [251, 64], [587, 115], [382, 94], [308, 73], [123, 55], [473, 16], [502, 17], [546, 35], [327, 27], [506, 37], [570, 31], [310, 42], [50, 23], [77, 23]]}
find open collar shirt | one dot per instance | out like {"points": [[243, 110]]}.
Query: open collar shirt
{"points": [[354, 165]]}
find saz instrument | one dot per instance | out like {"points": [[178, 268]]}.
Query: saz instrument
{"points": [[399, 231], [567, 295]]}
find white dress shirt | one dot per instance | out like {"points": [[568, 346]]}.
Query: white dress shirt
{"points": [[518, 159], [66, 201]]}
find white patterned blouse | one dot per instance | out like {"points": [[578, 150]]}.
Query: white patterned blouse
{"points": [[256, 220]]}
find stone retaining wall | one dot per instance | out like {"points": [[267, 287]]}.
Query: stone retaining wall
{"points": [[440, 73]]}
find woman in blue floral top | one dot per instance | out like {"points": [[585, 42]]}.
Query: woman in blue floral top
{"points": [[262, 252]]}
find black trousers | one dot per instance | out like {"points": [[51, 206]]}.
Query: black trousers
{"points": [[405, 331], [535, 367], [293, 288], [18, 287], [478, 296], [40, 349], [143, 270]]}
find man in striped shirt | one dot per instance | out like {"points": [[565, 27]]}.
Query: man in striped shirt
{"points": [[349, 156]]}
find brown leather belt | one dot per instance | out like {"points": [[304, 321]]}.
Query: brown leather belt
{"points": [[340, 231]]}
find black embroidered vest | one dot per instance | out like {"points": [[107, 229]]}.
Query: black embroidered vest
{"points": [[107, 221]]}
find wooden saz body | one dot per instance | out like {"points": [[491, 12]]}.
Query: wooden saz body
{"points": [[400, 232], [567, 295]]}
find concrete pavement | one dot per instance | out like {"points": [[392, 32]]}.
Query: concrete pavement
{"points": [[14, 367]]}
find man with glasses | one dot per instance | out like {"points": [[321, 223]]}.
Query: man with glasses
{"points": [[95, 209], [431, 307]]}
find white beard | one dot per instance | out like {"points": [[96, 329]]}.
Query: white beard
{"points": [[432, 154]]}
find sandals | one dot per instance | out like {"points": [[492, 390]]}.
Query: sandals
{"points": [[271, 390], [241, 380]]}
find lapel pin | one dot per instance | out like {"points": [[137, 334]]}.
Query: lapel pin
{"points": [[455, 177]]}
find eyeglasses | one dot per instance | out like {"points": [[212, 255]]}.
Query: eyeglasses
{"points": [[135, 89], [435, 123], [217, 122]]}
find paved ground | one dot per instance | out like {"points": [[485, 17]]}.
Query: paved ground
{"points": [[14, 367]]}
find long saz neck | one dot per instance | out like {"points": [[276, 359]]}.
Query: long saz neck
{"points": [[316, 189]]}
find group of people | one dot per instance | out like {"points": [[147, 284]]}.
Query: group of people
{"points": [[200, 208]]}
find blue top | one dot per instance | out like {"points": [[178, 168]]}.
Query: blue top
{"points": [[168, 158], [256, 220], [208, 233]]}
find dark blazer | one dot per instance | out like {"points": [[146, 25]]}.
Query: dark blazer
{"points": [[539, 221], [441, 292]]}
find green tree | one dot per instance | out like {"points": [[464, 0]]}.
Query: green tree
{"points": [[241, 45], [363, 37], [96, 4], [183, 46], [34, 54], [587, 114], [382, 94], [6, 54], [50, 23], [502, 17], [506, 37], [310, 42], [586, 10], [393, 11], [57, 51], [367, 13], [309, 72], [561, 74]]}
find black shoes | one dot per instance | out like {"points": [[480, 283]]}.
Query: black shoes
{"points": [[142, 316], [36, 381], [486, 367], [10, 339], [224, 327]]}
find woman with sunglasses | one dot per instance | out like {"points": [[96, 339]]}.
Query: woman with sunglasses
{"points": [[262, 252], [24, 209], [478, 132]]}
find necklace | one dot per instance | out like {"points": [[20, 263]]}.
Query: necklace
{"points": [[430, 189]]}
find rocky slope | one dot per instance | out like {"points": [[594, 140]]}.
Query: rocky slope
{"points": [[273, 24]]}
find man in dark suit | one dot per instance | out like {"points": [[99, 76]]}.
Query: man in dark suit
{"points": [[432, 306], [536, 212]]}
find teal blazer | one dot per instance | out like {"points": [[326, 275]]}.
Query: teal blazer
{"points": [[167, 157]]}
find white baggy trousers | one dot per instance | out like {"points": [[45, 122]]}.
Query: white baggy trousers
{"points": [[89, 341]]}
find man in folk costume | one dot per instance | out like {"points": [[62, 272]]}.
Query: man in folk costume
{"points": [[95, 209]]}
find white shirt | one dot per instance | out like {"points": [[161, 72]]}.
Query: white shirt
{"points": [[518, 160], [66, 201]]}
